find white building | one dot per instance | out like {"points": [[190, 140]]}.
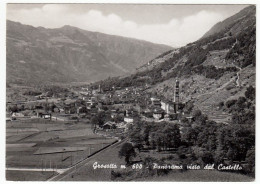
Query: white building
{"points": [[128, 119], [165, 106]]}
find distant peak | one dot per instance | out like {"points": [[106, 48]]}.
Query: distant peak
{"points": [[68, 27]]}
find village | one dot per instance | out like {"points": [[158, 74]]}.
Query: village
{"points": [[104, 108]]}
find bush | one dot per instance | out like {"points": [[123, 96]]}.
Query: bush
{"points": [[182, 156], [196, 113], [230, 103], [115, 175], [229, 87], [250, 158], [250, 93], [32, 93], [207, 158], [221, 104], [127, 151]]}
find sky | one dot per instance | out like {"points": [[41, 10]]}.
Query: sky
{"points": [[174, 25]]}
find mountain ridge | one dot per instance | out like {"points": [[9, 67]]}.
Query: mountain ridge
{"points": [[227, 22], [71, 54]]}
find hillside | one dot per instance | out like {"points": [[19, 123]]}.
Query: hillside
{"points": [[70, 54], [207, 69], [239, 21]]}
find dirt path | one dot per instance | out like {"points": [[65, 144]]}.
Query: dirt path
{"points": [[238, 74], [224, 85]]}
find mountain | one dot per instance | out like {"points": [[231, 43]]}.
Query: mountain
{"points": [[238, 22], [70, 54], [216, 68], [233, 25]]}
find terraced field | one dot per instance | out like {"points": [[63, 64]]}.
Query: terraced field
{"points": [[208, 93], [214, 114]]}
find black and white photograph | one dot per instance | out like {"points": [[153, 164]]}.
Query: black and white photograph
{"points": [[129, 92]]}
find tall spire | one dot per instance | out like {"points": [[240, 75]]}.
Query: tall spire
{"points": [[176, 94]]}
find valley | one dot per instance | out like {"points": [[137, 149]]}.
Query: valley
{"points": [[75, 97]]}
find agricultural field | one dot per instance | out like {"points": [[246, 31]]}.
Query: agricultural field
{"points": [[44, 144], [28, 175]]}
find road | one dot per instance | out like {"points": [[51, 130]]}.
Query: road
{"points": [[82, 163], [36, 169]]}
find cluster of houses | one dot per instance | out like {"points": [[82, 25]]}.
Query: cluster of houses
{"points": [[86, 103]]}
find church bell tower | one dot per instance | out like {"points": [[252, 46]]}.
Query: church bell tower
{"points": [[176, 95]]}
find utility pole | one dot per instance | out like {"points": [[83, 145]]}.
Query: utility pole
{"points": [[71, 158], [45, 165], [42, 165]]}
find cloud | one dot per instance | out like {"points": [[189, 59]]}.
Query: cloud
{"points": [[177, 32]]}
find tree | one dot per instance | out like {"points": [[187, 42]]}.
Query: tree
{"points": [[46, 107], [127, 151], [172, 136], [136, 136], [230, 103], [13, 108], [202, 119], [52, 107], [191, 135], [118, 119], [196, 113], [153, 139], [207, 157], [221, 104], [189, 107], [147, 130], [250, 158], [231, 154], [99, 119], [243, 140], [250, 93], [94, 122]]}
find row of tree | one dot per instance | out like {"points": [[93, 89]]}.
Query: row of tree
{"points": [[163, 136]]}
